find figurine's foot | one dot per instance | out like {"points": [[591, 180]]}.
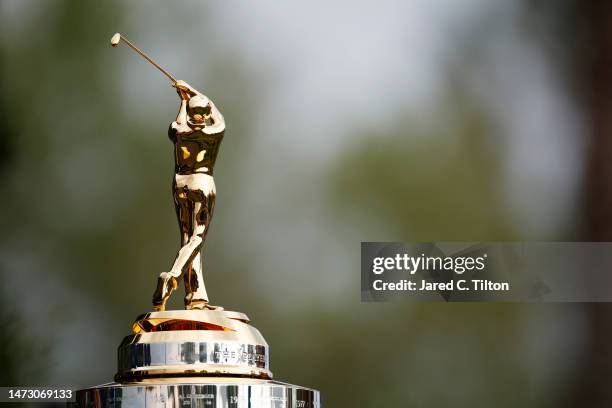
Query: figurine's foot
{"points": [[202, 306], [166, 284], [195, 302]]}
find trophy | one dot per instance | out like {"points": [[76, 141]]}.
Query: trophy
{"points": [[203, 356]]}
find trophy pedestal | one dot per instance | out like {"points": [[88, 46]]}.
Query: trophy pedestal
{"points": [[195, 358], [214, 392]]}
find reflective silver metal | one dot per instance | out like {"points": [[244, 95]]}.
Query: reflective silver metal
{"points": [[202, 342], [206, 393]]}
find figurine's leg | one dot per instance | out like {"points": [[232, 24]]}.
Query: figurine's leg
{"points": [[184, 212], [168, 281], [195, 291], [187, 252], [196, 296]]}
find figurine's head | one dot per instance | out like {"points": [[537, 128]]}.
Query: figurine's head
{"points": [[198, 109], [198, 105]]}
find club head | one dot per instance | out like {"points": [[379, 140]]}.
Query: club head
{"points": [[115, 39]]}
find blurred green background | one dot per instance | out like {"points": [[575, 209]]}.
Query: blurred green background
{"points": [[346, 122]]}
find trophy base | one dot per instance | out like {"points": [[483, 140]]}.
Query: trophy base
{"points": [[193, 343], [195, 358], [213, 392]]}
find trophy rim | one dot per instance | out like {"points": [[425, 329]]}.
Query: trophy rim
{"points": [[172, 392], [201, 380]]}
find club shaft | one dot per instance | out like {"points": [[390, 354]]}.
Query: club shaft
{"points": [[145, 56]]}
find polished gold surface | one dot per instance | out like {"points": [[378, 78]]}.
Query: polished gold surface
{"points": [[196, 134], [222, 320], [195, 343]]}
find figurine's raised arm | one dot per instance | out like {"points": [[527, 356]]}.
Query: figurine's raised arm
{"points": [[180, 124], [197, 112]]}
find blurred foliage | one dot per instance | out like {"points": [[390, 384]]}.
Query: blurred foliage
{"points": [[432, 355], [428, 183], [19, 351]]}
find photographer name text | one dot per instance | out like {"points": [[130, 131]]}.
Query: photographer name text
{"points": [[483, 285]]}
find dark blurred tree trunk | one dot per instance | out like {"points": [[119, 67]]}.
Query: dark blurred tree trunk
{"points": [[597, 71], [593, 63]]}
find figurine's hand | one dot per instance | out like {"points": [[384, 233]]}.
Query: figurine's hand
{"points": [[185, 90]]}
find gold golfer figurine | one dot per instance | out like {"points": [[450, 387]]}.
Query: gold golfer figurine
{"points": [[196, 133]]}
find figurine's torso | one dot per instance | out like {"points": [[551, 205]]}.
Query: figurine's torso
{"points": [[195, 152], [196, 133]]}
